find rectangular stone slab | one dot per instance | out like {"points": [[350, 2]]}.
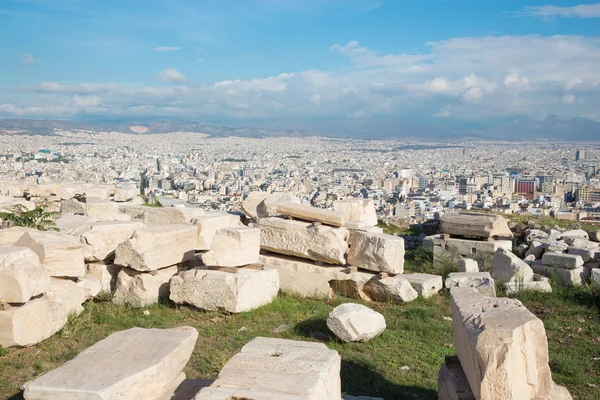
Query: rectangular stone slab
{"points": [[312, 214], [475, 225], [270, 369], [132, 364], [501, 345], [561, 260]]}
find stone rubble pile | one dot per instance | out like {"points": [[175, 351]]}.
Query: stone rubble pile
{"points": [[502, 352], [569, 256]]}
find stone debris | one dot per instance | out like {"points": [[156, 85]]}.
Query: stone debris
{"points": [[154, 360], [481, 281], [479, 225], [60, 255], [242, 291], [101, 239], [395, 289], [303, 278], [141, 289], [278, 369], [101, 210], [305, 240], [355, 323], [537, 286], [233, 247], [106, 273], [507, 267], [467, 265], [309, 213], [155, 247], [21, 275], [360, 211], [208, 225], [502, 347], [426, 285], [560, 260], [377, 252], [268, 207]]}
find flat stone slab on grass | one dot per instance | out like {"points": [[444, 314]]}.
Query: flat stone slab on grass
{"points": [[355, 323], [237, 292], [132, 364], [537, 286], [481, 281], [278, 369]]}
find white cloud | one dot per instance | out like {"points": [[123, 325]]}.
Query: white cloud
{"points": [[171, 75], [580, 10], [162, 49], [464, 78], [27, 59]]}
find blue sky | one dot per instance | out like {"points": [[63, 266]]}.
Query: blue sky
{"points": [[363, 59]]}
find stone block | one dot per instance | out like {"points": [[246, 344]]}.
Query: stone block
{"points": [[301, 239], [154, 359], [355, 323], [71, 224], [357, 210], [60, 255], [21, 275], [452, 381], [126, 193], [467, 265], [351, 284], [480, 281], [251, 202], [72, 207], [106, 273], [310, 213], [470, 224], [393, 289], [9, 236], [268, 207], [535, 286], [426, 285], [569, 277], [502, 347], [101, 239], [210, 223], [157, 246], [233, 247], [377, 252], [213, 290], [278, 369], [141, 289], [585, 254], [536, 249], [90, 284], [101, 210], [560, 260], [595, 278], [163, 216], [575, 233], [303, 278], [507, 267]]}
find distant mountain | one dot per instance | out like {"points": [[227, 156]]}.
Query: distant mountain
{"points": [[553, 127]]}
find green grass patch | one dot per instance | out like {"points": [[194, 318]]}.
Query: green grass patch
{"points": [[417, 336]]}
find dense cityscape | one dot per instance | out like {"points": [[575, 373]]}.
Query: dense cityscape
{"points": [[407, 181]]}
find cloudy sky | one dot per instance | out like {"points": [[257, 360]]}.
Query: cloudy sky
{"points": [[447, 60]]}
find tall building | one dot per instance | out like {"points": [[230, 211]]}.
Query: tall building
{"points": [[526, 186], [581, 154]]}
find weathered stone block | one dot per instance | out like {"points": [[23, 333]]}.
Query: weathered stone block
{"points": [[357, 210], [268, 207], [475, 225], [507, 267], [301, 239], [311, 214], [233, 247], [452, 381], [355, 322], [210, 223], [106, 273], [467, 265], [102, 238], [377, 252], [536, 286], [426, 285], [158, 246], [238, 292], [560, 260], [251, 202], [141, 289], [102, 210], [501, 345], [394, 289], [163, 216], [60, 255], [480, 281], [21, 275]]}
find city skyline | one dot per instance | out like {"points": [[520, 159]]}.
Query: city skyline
{"points": [[454, 64]]}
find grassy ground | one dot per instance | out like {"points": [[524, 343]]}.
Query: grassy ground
{"points": [[418, 337]]}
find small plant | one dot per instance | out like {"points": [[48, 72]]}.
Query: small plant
{"points": [[38, 218], [3, 351]]}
